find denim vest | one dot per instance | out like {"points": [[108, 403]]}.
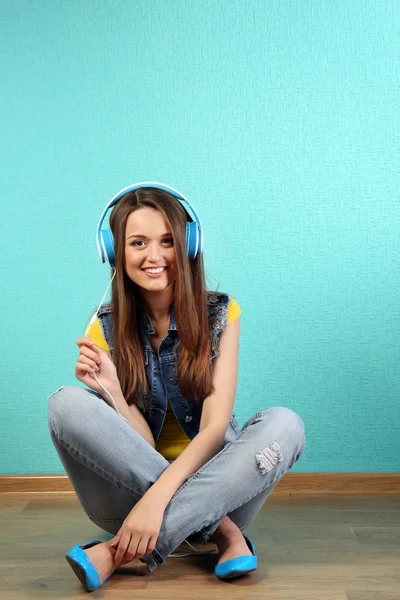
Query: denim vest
{"points": [[162, 370]]}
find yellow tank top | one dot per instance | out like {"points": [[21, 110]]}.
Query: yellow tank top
{"points": [[172, 440]]}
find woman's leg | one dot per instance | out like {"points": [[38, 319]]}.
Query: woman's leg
{"points": [[109, 464], [242, 474], [92, 439], [245, 514]]}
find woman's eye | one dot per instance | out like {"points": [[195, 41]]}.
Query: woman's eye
{"points": [[168, 240]]}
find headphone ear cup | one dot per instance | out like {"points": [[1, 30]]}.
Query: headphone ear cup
{"points": [[107, 243], [192, 235], [200, 241]]}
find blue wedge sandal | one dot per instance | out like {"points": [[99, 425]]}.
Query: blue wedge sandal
{"points": [[239, 565], [82, 566]]}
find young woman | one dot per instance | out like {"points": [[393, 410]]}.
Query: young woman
{"points": [[153, 449]]}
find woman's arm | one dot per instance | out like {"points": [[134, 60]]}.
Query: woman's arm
{"points": [[216, 414]]}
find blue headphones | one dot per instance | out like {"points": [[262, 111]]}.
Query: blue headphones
{"points": [[194, 230]]}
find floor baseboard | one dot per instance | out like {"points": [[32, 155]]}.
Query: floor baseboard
{"points": [[291, 483]]}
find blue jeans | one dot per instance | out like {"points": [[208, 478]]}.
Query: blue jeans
{"points": [[111, 467]]}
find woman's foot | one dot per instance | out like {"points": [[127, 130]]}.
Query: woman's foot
{"points": [[102, 557], [230, 541]]}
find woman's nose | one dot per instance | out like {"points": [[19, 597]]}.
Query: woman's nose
{"points": [[154, 253]]}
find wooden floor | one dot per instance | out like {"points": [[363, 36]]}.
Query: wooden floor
{"points": [[313, 547]]}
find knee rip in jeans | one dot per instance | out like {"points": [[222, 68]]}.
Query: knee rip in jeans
{"points": [[269, 458]]}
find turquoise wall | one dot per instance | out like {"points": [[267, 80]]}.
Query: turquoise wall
{"points": [[280, 121]]}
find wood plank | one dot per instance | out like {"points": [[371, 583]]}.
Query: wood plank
{"points": [[371, 595]]}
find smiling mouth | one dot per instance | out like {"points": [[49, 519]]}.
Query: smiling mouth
{"points": [[154, 274]]}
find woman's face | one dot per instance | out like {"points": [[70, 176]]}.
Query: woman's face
{"points": [[149, 244]]}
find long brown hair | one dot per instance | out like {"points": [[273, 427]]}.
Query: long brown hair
{"points": [[190, 303]]}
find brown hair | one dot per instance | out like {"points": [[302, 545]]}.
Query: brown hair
{"points": [[190, 303]]}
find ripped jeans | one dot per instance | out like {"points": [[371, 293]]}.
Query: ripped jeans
{"points": [[111, 467]]}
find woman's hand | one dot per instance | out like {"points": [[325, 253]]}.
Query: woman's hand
{"points": [[139, 532], [92, 358]]}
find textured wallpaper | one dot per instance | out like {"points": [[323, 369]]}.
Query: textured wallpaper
{"points": [[280, 121]]}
